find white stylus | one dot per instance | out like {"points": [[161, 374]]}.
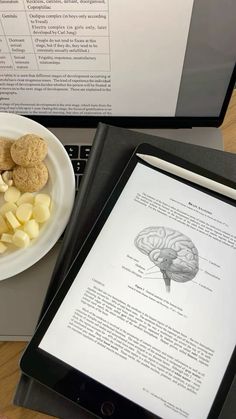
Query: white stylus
{"points": [[188, 175]]}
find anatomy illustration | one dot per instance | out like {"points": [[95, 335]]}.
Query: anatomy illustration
{"points": [[173, 252]]}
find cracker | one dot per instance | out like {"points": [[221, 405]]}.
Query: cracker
{"points": [[30, 179], [6, 161], [29, 150]]}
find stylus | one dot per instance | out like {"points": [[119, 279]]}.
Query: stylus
{"points": [[188, 175]]}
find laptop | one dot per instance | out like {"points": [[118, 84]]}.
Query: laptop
{"points": [[164, 68]]}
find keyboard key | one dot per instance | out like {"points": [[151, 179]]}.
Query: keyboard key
{"points": [[73, 151], [79, 166], [84, 151]]}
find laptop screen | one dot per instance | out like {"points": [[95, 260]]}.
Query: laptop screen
{"points": [[84, 61]]}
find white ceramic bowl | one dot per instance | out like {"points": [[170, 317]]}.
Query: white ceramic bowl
{"points": [[60, 186]]}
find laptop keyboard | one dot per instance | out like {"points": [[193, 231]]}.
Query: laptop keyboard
{"points": [[79, 155]]}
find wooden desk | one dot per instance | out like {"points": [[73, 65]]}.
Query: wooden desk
{"points": [[10, 351]]}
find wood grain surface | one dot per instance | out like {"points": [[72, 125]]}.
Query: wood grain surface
{"points": [[10, 351], [229, 126]]}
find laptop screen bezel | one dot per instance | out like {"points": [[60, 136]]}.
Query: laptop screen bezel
{"points": [[140, 121]]}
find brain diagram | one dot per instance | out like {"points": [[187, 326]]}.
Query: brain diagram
{"points": [[173, 252]]}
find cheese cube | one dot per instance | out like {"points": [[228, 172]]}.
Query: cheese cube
{"points": [[42, 198], [20, 239], [6, 238], [12, 194], [3, 225], [31, 227], [12, 220], [8, 206], [24, 212], [26, 197], [41, 213]]}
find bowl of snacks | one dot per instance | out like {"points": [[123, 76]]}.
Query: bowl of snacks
{"points": [[37, 190]]}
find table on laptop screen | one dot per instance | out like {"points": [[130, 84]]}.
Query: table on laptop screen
{"points": [[106, 58]]}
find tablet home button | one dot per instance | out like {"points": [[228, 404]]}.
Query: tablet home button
{"points": [[107, 409]]}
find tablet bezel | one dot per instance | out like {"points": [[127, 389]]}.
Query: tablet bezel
{"points": [[75, 385]]}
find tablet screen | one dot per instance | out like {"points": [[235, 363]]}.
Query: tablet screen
{"points": [[150, 313]]}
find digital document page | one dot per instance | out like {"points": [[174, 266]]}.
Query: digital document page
{"points": [[150, 313], [92, 57]]}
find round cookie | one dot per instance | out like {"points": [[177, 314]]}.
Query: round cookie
{"points": [[6, 162], [29, 150], [30, 179]]}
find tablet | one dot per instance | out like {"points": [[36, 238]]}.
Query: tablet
{"points": [[143, 325]]}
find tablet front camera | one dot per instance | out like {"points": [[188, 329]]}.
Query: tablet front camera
{"points": [[107, 409]]}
